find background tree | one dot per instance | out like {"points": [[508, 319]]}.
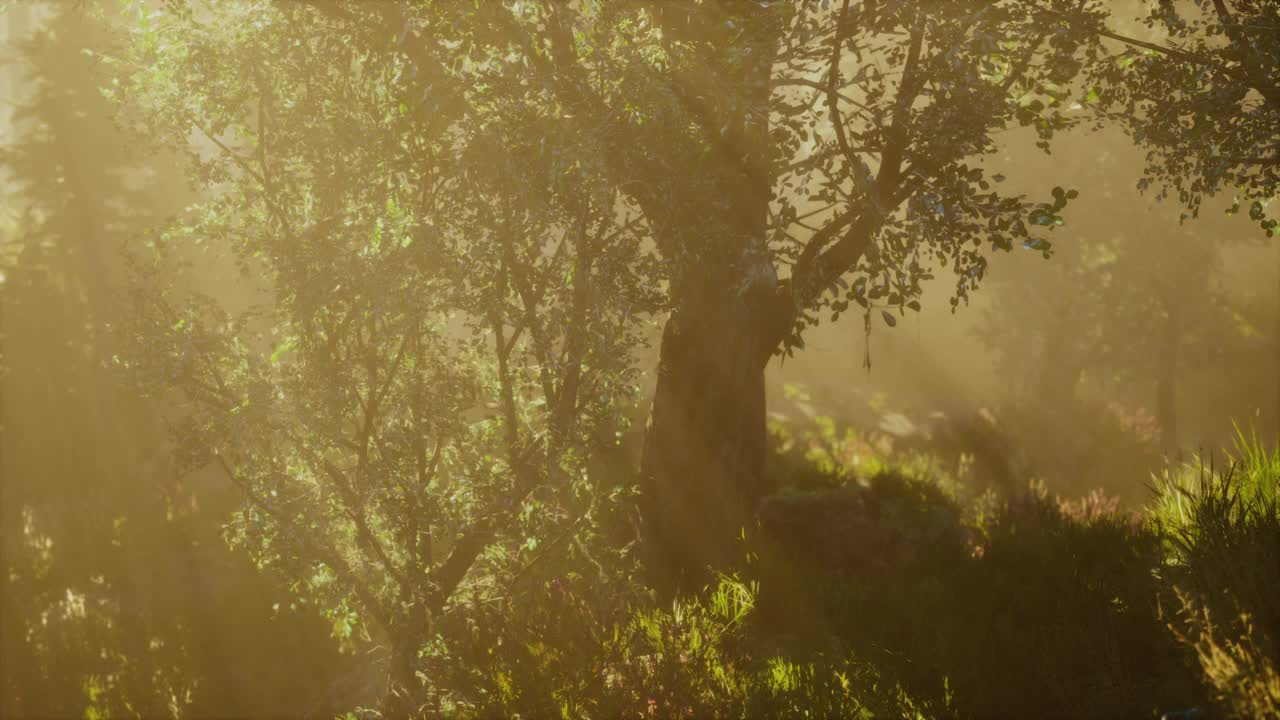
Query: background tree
{"points": [[1205, 102], [1126, 326], [120, 597]]}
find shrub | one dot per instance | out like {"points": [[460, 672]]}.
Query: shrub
{"points": [[1059, 616], [1037, 613]]}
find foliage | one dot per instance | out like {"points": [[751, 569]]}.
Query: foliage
{"points": [[702, 656], [936, 203], [844, 569], [1076, 592], [429, 357], [446, 333], [1196, 495], [1203, 101], [1243, 675], [700, 659]]}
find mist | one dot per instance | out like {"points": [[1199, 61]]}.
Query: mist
{"points": [[639, 359]]}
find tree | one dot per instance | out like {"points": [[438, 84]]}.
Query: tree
{"points": [[119, 596], [1205, 102], [819, 139], [435, 197], [73, 643], [441, 332], [1110, 339]]}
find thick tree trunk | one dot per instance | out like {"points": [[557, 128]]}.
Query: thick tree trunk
{"points": [[702, 470], [403, 696]]}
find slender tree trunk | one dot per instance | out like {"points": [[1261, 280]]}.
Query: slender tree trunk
{"points": [[1166, 379], [1276, 341], [1061, 363], [1060, 371]]}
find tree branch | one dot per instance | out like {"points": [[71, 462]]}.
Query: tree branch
{"points": [[908, 91], [354, 510], [327, 555], [575, 344], [529, 300], [1254, 70], [816, 269], [449, 574], [856, 168]]}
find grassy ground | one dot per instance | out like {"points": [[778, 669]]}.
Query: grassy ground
{"points": [[881, 587], [895, 593]]}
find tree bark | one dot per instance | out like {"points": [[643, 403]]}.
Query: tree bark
{"points": [[403, 696], [398, 700], [706, 441]]}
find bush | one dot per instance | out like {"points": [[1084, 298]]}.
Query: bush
{"points": [[1035, 613], [977, 605], [1059, 616]]}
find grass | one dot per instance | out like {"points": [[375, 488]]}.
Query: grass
{"points": [[1223, 533]]}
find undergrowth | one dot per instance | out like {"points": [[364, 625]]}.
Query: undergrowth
{"points": [[879, 587]]}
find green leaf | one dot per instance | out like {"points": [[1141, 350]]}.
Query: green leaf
{"points": [[286, 345]]}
